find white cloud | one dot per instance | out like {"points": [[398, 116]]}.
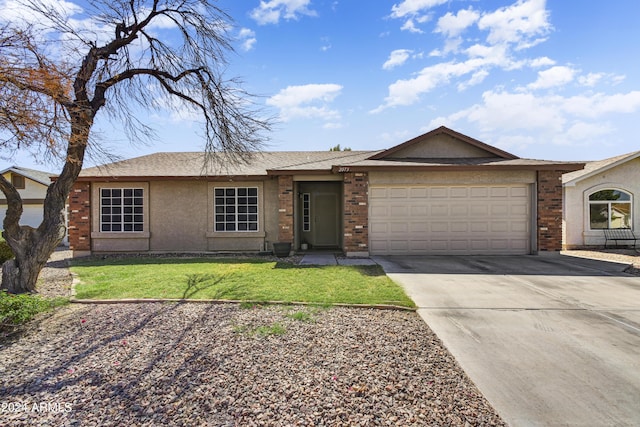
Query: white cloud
{"points": [[408, 91], [414, 11], [477, 78], [411, 27], [541, 62], [270, 12], [247, 38], [453, 25], [413, 7], [517, 24], [553, 77], [581, 131], [396, 58], [306, 101], [13, 11], [590, 79], [556, 119]]}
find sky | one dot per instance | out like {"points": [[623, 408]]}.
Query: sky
{"points": [[555, 80]]}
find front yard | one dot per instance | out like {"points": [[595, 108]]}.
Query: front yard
{"points": [[234, 279]]}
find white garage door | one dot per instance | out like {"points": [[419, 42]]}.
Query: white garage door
{"points": [[452, 220]]}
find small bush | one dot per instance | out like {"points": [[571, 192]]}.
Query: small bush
{"points": [[5, 251], [18, 309]]}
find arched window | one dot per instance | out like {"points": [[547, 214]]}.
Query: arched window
{"points": [[609, 209]]}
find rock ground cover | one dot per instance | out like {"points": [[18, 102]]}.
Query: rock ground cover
{"points": [[225, 365]]}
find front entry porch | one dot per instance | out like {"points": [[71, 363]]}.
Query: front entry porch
{"points": [[318, 219]]}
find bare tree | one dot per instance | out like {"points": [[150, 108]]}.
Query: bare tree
{"points": [[60, 67]]}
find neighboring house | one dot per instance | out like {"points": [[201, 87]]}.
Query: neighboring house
{"points": [[605, 194], [439, 193], [32, 186]]}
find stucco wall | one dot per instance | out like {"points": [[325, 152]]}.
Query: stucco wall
{"points": [[31, 190], [179, 217], [576, 232], [440, 146], [453, 177]]}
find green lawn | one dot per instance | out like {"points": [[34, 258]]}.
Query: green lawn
{"points": [[234, 279]]}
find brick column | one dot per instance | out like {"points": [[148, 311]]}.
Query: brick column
{"points": [[549, 211], [80, 219], [285, 211], [356, 214]]}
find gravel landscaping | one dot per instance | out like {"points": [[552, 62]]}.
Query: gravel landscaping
{"points": [[226, 365]]}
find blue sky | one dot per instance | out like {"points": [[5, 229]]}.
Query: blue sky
{"points": [[555, 79]]}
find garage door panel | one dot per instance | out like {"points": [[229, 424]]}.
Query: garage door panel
{"points": [[439, 210], [479, 192], [439, 193], [459, 192], [459, 210], [399, 211], [458, 227], [479, 227], [479, 210], [398, 193], [419, 227], [450, 220], [378, 228], [439, 227], [499, 192], [398, 227], [418, 192], [377, 193], [419, 211]]}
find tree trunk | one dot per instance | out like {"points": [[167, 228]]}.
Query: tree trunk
{"points": [[32, 247], [32, 251]]}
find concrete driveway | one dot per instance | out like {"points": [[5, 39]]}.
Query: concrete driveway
{"points": [[549, 340]]}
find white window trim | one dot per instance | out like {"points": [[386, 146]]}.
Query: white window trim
{"points": [[211, 233], [590, 202], [96, 225]]}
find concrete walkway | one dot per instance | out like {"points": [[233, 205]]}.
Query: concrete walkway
{"points": [[331, 259], [319, 259], [549, 341]]}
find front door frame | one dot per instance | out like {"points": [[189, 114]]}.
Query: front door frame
{"points": [[317, 187]]}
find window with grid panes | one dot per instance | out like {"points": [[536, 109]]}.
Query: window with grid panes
{"points": [[236, 209], [121, 209]]}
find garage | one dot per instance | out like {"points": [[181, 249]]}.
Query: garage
{"points": [[451, 220]]}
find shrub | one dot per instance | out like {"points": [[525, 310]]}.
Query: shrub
{"points": [[5, 251], [19, 309]]}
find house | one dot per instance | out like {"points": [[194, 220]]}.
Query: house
{"points": [[440, 193], [602, 195], [32, 186]]}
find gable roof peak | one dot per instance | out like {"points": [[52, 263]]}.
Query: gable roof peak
{"points": [[443, 130]]}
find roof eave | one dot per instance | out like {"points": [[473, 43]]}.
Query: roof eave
{"points": [[131, 178], [574, 181], [565, 167], [277, 172]]}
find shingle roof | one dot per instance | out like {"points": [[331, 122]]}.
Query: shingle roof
{"points": [[35, 175], [592, 168], [195, 164]]}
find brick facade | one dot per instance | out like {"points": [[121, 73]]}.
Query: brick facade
{"points": [[549, 211], [285, 209], [356, 213], [80, 217]]}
